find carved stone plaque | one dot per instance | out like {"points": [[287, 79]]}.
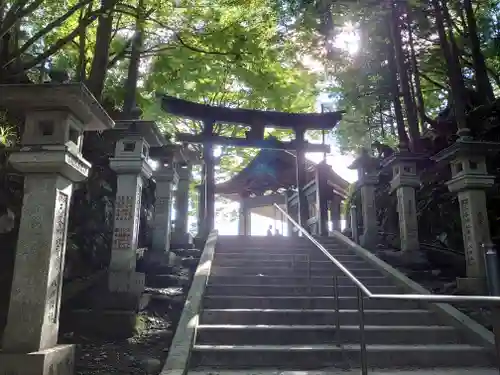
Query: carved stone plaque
{"points": [[124, 208], [122, 238], [470, 257], [58, 247]]}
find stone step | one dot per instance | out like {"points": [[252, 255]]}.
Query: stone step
{"points": [[293, 264], [291, 290], [301, 302], [298, 280], [317, 317], [302, 357], [286, 271], [225, 334], [286, 257], [307, 249]]}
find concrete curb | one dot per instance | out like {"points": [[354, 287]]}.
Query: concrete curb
{"points": [[478, 334], [178, 356]]}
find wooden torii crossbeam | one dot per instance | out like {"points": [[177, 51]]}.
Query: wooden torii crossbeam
{"points": [[257, 121]]}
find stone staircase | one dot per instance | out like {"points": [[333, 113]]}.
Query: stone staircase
{"points": [[260, 311]]}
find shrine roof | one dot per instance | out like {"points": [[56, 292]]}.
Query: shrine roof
{"points": [[272, 170], [204, 112]]}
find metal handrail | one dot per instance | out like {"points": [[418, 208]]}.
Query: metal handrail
{"points": [[410, 297], [363, 290]]}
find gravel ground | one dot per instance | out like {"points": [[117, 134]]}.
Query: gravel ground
{"points": [[436, 283], [142, 354]]}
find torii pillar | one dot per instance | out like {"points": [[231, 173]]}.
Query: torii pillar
{"points": [[181, 236], [244, 219], [322, 197], [208, 157], [303, 209]]}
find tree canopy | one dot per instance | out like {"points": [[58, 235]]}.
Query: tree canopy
{"points": [[418, 63], [218, 52]]}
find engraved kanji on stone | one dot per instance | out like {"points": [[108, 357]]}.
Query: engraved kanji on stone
{"points": [[122, 238], [123, 208], [59, 242]]}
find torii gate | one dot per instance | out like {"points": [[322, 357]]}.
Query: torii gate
{"points": [[257, 121]]}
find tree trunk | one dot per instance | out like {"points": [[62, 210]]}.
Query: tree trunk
{"points": [[482, 80], [135, 59], [395, 37], [97, 75], [416, 74], [381, 117], [82, 47], [398, 111], [452, 65]]}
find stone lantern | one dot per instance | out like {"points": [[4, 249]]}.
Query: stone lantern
{"points": [[470, 179], [132, 165], [367, 168], [56, 115], [166, 180], [404, 181]]}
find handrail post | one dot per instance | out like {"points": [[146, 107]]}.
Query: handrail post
{"points": [[309, 286], [354, 223], [492, 271], [493, 282], [337, 304], [362, 337]]}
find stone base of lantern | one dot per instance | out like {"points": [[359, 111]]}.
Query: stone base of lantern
{"points": [[370, 238], [471, 285], [181, 241], [58, 360], [109, 324], [125, 290]]}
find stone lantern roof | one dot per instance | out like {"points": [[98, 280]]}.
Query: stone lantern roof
{"points": [[72, 97]]}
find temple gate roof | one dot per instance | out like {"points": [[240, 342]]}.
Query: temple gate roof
{"points": [[273, 170]]}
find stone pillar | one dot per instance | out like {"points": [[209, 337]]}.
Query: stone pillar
{"points": [[201, 207], [470, 179], [245, 219], [181, 235], [131, 166], [335, 212], [404, 182], [289, 210], [166, 178], [209, 221], [322, 197], [51, 161], [367, 185], [303, 209], [353, 220]]}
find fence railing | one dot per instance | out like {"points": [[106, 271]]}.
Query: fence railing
{"points": [[363, 291]]}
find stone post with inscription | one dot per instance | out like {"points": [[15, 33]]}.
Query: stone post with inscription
{"points": [[181, 236], [131, 164], [367, 181], [404, 182], [51, 160], [166, 178], [131, 167], [470, 179]]}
